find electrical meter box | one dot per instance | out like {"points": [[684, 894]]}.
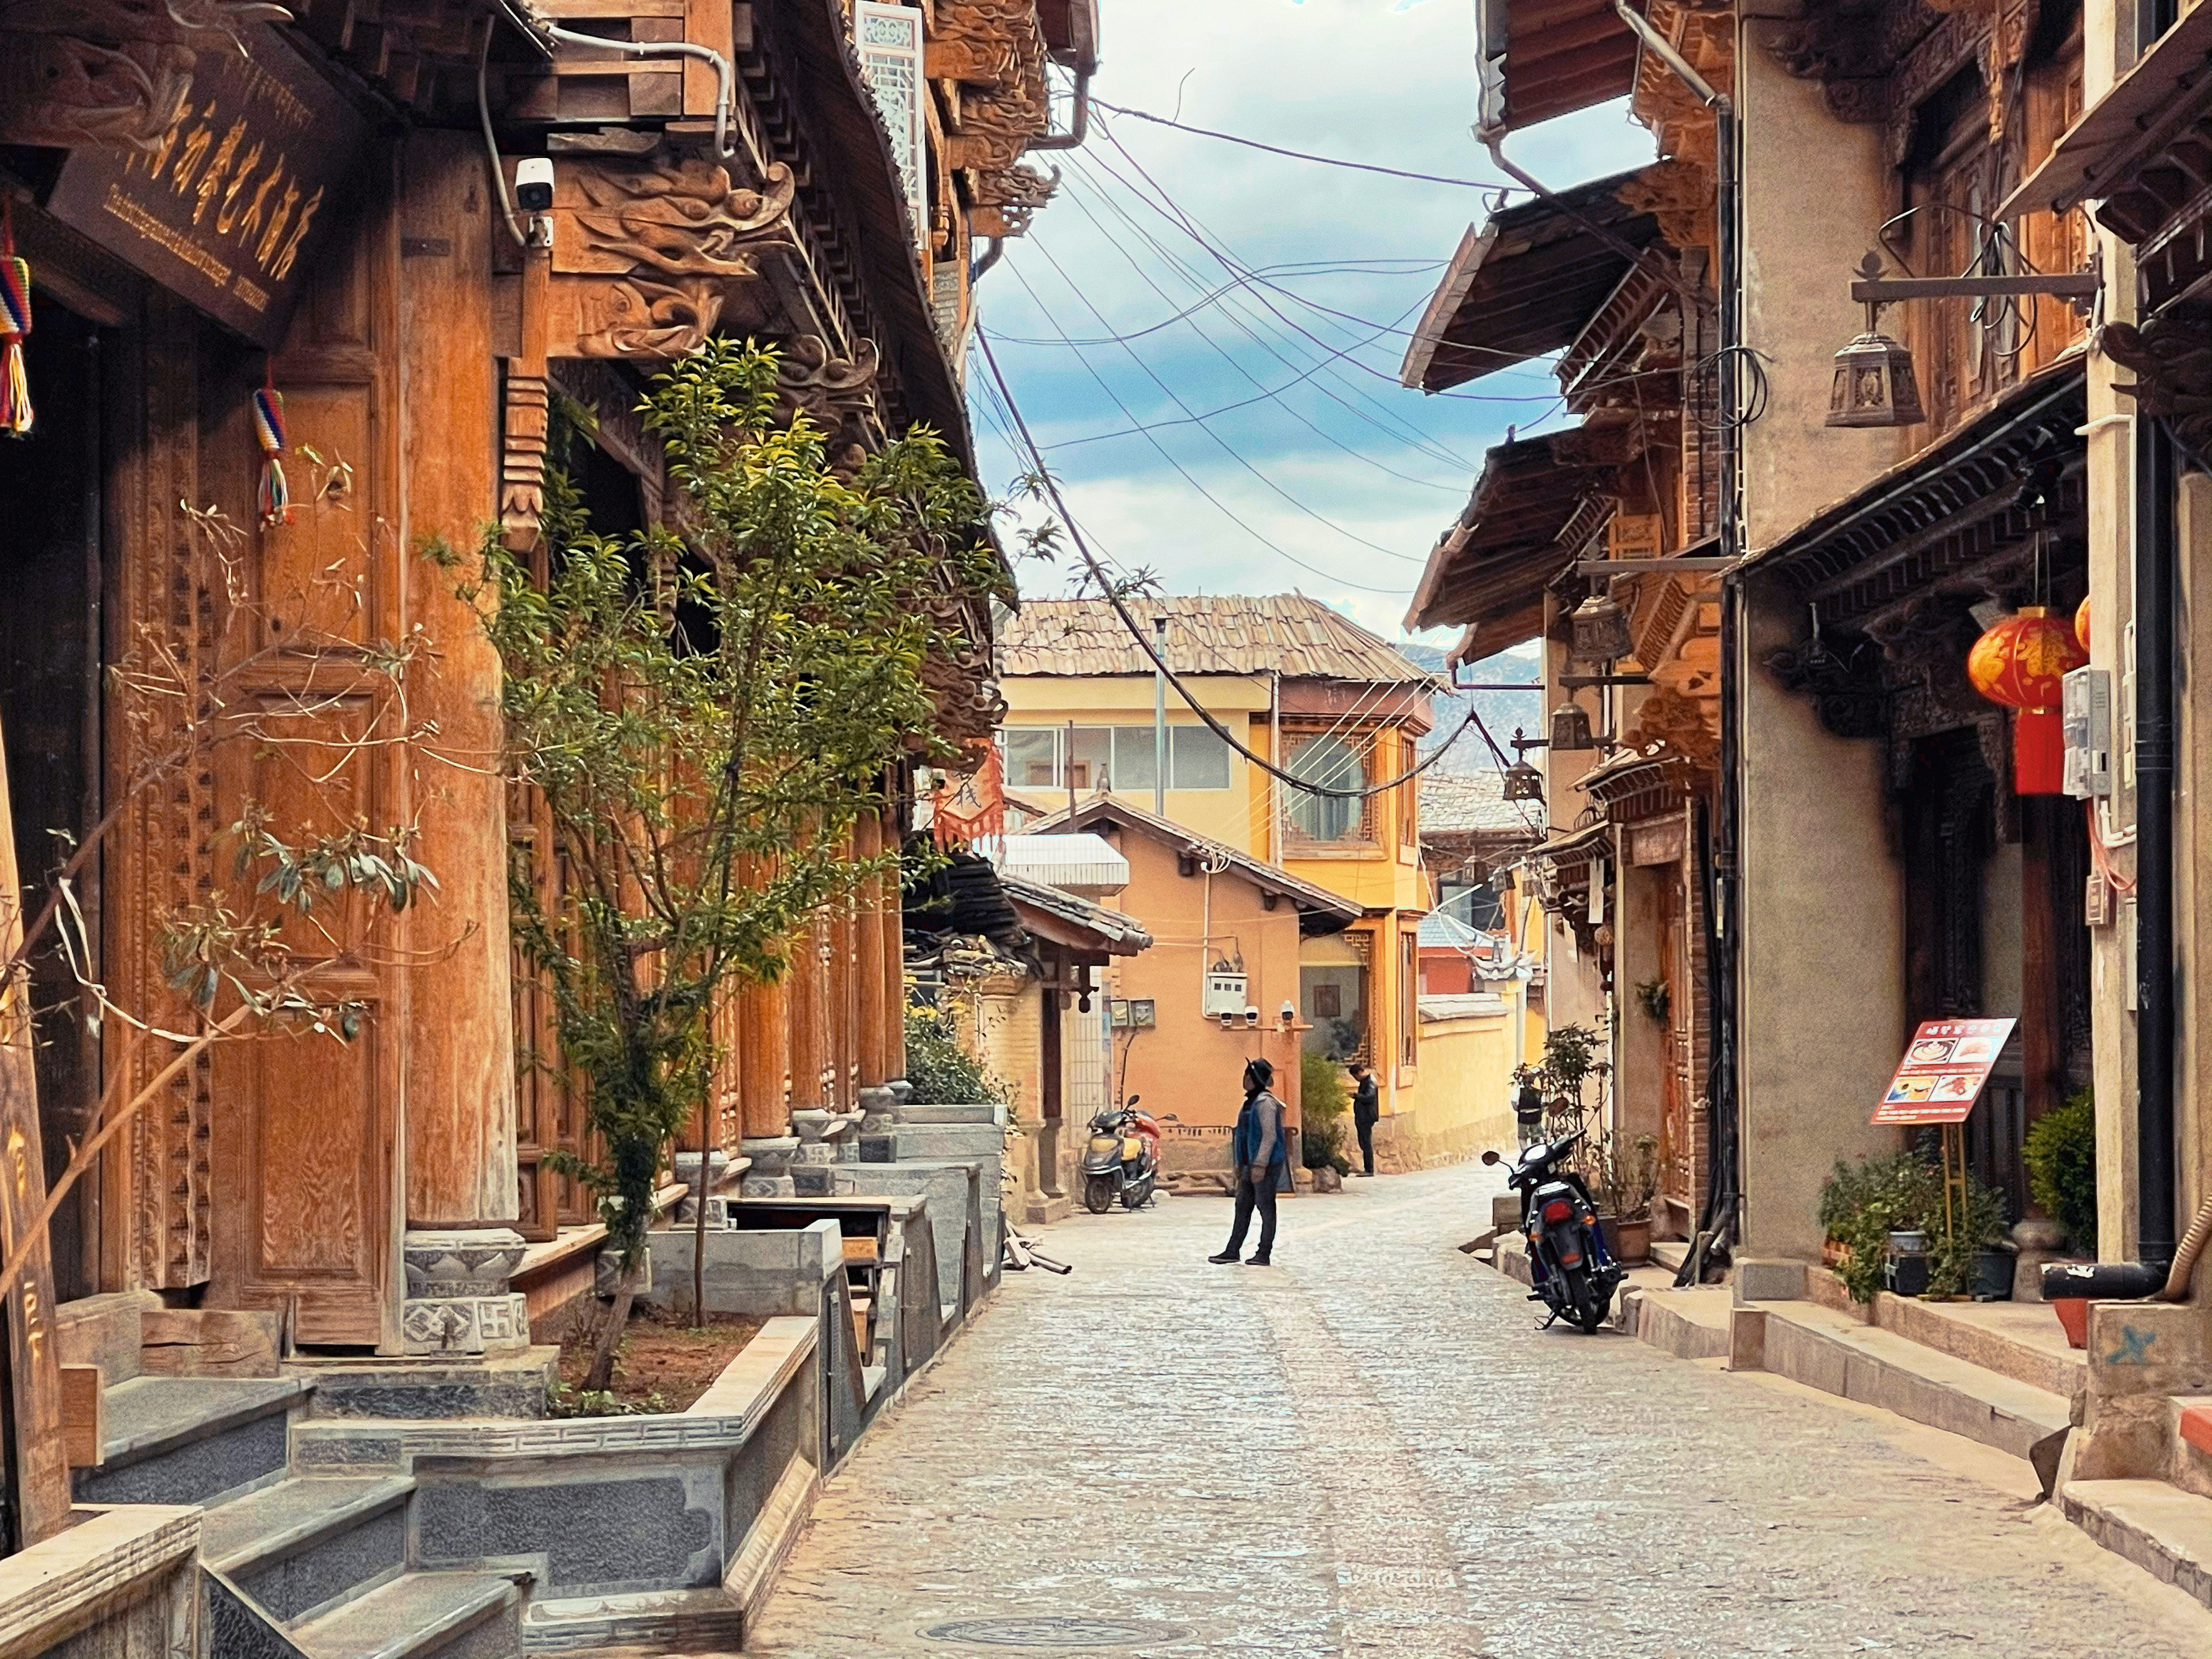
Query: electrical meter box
{"points": [[1224, 994], [2085, 711]]}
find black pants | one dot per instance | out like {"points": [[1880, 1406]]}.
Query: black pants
{"points": [[1366, 1127], [1247, 1195]]}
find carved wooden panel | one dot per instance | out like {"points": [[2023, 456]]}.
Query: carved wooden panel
{"points": [[306, 1128], [157, 1196]]}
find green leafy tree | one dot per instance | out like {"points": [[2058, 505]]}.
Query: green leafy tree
{"points": [[705, 709]]}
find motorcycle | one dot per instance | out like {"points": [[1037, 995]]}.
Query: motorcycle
{"points": [[1122, 1159], [1575, 1277]]}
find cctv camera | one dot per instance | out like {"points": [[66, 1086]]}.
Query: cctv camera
{"points": [[534, 183], [1251, 1016]]}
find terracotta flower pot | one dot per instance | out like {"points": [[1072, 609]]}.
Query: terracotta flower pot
{"points": [[2073, 1313], [1627, 1242]]}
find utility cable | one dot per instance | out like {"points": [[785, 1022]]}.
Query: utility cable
{"points": [[1383, 419], [1219, 505], [1128, 622], [1226, 357], [1299, 155]]}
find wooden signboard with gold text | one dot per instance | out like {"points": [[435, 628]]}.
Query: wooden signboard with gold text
{"points": [[226, 210]]}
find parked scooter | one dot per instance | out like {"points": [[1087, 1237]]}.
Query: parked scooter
{"points": [[1123, 1158], [1567, 1258]]}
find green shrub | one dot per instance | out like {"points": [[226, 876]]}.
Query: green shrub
{"points": [[1861, 1205], [1323, 1102], [941, 1072], [2061, 1167]]}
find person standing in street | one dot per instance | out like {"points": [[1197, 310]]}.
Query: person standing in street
{"points": [[1260, 1145], [1366, 1106]]}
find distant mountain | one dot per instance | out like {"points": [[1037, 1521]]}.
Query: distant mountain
{"points": [[1501, 711]]}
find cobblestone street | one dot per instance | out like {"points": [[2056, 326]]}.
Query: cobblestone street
{"points": [[1370, 1450]]}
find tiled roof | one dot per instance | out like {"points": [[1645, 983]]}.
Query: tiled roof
{"points": [[1476, 801], [1321, 911], [1286, 634]]}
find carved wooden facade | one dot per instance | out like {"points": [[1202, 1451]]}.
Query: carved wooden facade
{"points": [[422, 354]]}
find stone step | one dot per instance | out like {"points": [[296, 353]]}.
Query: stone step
{"points": [[947, 1140], [2162, 1529], [190, 1439], [1831, 1351], [1690, 1324], [418, 1614], [305, 1544], [1670, 1252], [982, 1112], [2023, 1340], [512, 1384]]}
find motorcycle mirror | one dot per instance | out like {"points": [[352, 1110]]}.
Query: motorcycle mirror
{"points": [[1491, 1157], [1133, 1100], [1170, 1117]]}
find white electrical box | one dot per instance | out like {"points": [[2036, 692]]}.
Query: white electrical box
{"points": [[1224, 994], [2087, 711], [1134, 1013]]}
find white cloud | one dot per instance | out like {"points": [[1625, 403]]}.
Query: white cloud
{"points": [[1386, 81]]}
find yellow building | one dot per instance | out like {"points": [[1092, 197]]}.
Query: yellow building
{"points": [[1324, 700]]}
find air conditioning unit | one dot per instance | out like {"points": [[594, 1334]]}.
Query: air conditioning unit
{"points": [[1224, 994], [2086, 712]]}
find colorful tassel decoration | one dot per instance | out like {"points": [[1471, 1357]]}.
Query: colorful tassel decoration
{"points": [[276, 496], [15, 411]]}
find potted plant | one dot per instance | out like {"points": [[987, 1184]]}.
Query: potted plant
{"points": [[1627, 1179], [1967, 1260], [1862, 1204]]}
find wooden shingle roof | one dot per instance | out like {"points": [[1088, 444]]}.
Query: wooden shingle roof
{"points": [[1286, 633]]}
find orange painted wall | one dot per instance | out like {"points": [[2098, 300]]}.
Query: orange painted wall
{"points": [[1186, 1064]]}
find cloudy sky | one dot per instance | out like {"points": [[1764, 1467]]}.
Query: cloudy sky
{"points": [[1337, 485]]}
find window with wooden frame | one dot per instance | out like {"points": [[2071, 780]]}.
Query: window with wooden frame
{"points": [[1337, 760], [1409, 993]]}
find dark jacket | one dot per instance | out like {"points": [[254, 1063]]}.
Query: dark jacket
{"points": [[1263, 1136], [1366, 1101]]}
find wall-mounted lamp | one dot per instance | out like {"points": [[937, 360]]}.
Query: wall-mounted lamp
{"points": [[1600, 630], [1875, 384]]}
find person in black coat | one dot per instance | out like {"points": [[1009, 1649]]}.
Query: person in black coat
{"points": [[1260, 1143], [1366, 1106]]}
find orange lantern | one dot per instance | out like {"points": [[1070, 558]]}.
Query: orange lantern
{"points": [[2019, 663], [2082, 622]]}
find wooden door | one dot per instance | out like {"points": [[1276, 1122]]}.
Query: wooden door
{"points": [[306, 1130]]}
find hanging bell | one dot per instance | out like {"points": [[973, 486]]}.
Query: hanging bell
{"points": [[1523, 782], [1874, 385], [1600, 630], [1571, 730]]}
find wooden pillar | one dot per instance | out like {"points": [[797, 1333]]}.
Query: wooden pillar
{"points": [[893, 955], [868, 952], [459, 1049], [807, 997], [762, 1042]]}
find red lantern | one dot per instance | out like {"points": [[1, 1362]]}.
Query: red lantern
{"points": [[2019, 663], [2082, 622]]}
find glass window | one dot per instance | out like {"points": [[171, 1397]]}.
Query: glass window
{"points": [[1032, 756], [1336, 763], [1198, 758], [1133, 759], [1090, 758]]}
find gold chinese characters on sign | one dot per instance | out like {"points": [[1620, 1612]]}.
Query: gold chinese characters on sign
{"points": [[221, 209]]}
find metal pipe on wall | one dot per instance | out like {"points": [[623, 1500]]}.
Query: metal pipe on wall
{"points": [[2156, 576]]}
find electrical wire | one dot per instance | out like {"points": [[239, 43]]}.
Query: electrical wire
{"points": [[1267, 394], [1216, 502], [1384, 420], [1299, 155], [1308, 268], [1128, 622]]}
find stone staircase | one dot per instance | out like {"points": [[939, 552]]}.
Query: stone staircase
{"points": [[299, 1566]]}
